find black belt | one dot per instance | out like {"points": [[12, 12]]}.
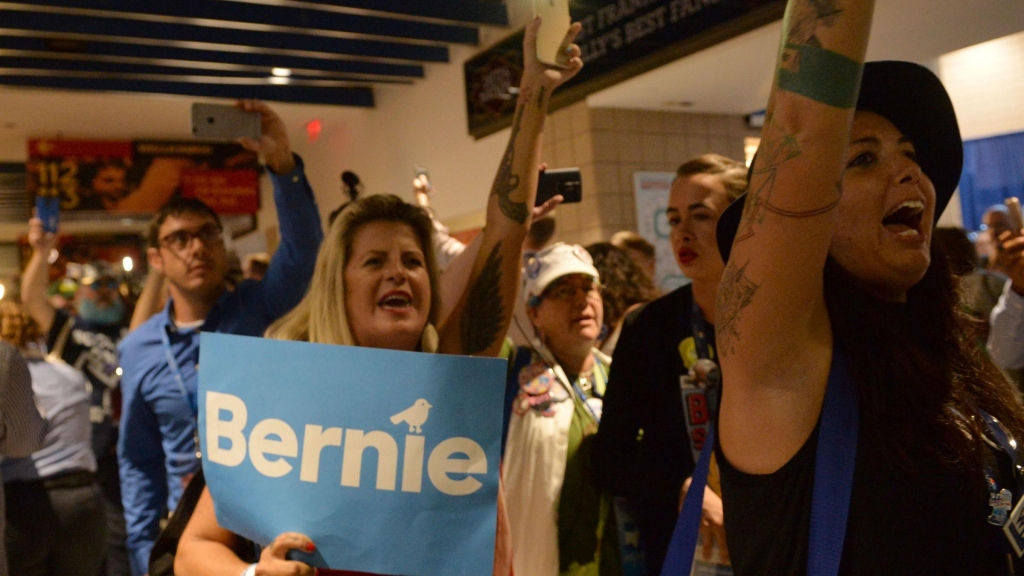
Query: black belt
{"points": [[76, 479]]}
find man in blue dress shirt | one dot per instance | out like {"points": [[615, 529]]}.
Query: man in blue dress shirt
{"points": [[157, 450]]}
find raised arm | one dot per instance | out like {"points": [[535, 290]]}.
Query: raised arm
{"points": [[37, 276], [291, 266], [478, 323], [773, 331]]}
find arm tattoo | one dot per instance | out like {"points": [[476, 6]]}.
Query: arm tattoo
{"points": [[540, 98], [506, 182], [736, 293], [481, 320], [776, 150], [808, 17], [808, 68]]}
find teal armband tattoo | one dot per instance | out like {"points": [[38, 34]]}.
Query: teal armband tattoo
{"points": [[821, 75]]}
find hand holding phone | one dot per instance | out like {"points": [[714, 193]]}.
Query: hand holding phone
{"points": [[422, 181], [564, 181], [1013, 210], [48, 210], [551, 38]]}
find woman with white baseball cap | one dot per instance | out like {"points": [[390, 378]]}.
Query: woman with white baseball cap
{"points": [[560, 520]]}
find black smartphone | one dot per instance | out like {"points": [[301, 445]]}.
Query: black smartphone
{"points": [[564, 181], [48, 210]]}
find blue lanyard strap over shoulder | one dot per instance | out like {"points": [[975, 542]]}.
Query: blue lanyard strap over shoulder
{"points": [[833, 482], [700, 332], [172, 363], [834, 464]]}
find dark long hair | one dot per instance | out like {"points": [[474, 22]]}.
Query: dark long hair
{"points": [[920, 378], [623, 283]]}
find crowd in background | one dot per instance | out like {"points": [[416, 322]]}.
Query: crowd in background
{"points": [[610, 390]]}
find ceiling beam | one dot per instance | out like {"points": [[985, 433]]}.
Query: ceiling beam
{"points": [[493, 13], [57, 66], [122, 51], [292, 93], [221, 13], [49, 23]]}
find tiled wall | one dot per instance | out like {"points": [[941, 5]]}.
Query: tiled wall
{"points": [[610, 144]]}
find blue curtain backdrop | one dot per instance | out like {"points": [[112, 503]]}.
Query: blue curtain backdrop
{"points": [[993, 171]]}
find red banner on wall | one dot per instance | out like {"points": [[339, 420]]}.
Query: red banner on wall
{"points": [[126, 177], [226, 191]]}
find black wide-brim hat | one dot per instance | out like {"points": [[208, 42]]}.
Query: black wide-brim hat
{"points": [[915, 101]]}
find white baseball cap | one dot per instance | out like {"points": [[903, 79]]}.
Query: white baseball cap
{"points": [[551, 263]]}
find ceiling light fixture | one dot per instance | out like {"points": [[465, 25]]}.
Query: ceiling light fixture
{"points": [[279, 80], [282, 72]]}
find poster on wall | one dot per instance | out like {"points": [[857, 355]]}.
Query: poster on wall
{"points": [[651, 192], [138, 177], [620, 39]]}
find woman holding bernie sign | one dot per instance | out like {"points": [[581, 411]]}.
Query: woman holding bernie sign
{"points": [[861, 432], [376, 285]]}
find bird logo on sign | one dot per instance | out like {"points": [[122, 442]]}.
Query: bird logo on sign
{"points": [[415, 416]]}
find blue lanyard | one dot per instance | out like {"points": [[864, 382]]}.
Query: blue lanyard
{"points": [[1005, 441], [833, 483], [699, 328], [172, 362]]}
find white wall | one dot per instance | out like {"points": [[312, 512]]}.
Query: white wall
{"points": [[423, 125], [986, 84]]}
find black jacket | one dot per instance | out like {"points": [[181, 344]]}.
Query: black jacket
{"points": [[643, 394]]}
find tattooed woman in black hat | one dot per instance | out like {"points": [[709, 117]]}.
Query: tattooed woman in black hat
{"points": [[832, 279]]}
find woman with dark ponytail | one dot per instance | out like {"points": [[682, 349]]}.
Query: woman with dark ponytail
{"points": [[833, 302]]}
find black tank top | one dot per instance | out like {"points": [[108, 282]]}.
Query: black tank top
{"points": [[926, 521]]}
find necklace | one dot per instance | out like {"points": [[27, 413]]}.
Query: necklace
{"points": [[586, 380]]}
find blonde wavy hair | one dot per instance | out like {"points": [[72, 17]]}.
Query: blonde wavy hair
{"points": [[732, 174], [320, 317]]}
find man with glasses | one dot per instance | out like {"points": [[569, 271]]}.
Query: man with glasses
{"points": [[86, 341], [157, 450]]}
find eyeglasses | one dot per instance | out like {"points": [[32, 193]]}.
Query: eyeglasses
{"points": [[179, 240], [566, 291]]}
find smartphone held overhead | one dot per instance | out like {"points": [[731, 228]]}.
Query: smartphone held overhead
{"points": [[48, 210], [1014, 212], [564, 181], [224, 122], [555, 22]]}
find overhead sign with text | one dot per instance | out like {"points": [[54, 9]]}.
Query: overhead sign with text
{"points": [[387, 460], [620, 39], [138, 177]]}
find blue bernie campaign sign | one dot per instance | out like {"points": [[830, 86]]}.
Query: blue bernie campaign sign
{"points": [[387, 460]]}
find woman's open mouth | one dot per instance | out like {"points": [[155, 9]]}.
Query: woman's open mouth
{"points": [[396, 301], [905, 219]]}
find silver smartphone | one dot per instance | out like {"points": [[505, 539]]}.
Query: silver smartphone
{"points": [[224, 122], [554, 25], [1013, 209]]}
